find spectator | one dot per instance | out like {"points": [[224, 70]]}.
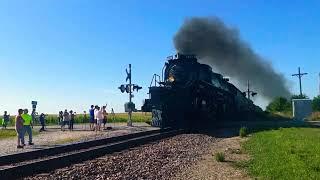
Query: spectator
{"points": [[99, 117], [95, 112], [72, 116], [66, 119], [27, 123], [84, 117], [42, 122], [91, 120], [60, 117], [5, 120], [19, 129], [104, 116], [33, 115]]}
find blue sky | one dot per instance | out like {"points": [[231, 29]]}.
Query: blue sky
{"points": [[73, 53]]}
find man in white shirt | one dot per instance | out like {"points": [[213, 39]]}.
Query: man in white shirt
{"points": [[99, 116]]}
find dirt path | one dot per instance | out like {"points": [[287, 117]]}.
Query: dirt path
{"points": [[53, 137], [208, 168]]}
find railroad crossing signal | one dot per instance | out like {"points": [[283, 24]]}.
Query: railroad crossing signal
{"points": [[129, 88], [249, 92]]}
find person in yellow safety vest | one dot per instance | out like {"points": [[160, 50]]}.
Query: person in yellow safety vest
{"points": [[27, 123]]}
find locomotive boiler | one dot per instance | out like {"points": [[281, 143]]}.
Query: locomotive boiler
{"points": [[190, 95]]}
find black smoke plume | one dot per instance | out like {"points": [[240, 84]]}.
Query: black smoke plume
{"points": [[221, 47]]}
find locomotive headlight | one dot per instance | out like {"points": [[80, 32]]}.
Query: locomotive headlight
{"points": [[171, 79]]}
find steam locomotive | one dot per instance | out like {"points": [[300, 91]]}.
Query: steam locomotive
{"points": [[191, 95]]}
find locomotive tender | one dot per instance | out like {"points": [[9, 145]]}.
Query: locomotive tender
{"points": [[192, 96]]}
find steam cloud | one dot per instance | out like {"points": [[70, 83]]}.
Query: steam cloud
{"points": [[221, 47]]}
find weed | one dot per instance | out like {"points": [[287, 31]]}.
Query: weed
{"points": [[243, 132], [219, 156]]}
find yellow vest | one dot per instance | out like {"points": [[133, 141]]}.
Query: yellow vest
{"points": [[26, 119]]}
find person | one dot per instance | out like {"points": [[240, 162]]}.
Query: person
{"points": [[104, 116], [66, 119], [5, 120], [91, 120], [60, 117], [33, 115], [99, 117], [72, 116], [84, 120], [27, 124], [42, 122], [19, 129]]}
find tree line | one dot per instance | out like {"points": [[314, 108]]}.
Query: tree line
{"points": [[282, 104]]}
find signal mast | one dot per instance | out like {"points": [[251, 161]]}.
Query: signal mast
{"points": [[129, 88], [249, 92]]}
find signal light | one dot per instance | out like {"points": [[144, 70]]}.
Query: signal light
{"points": [[128, 88], [122, 88]]}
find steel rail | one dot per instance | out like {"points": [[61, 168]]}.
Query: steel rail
{"points": [[53, 158]]}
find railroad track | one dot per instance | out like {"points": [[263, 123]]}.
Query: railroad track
{"points": [[39, 161]]}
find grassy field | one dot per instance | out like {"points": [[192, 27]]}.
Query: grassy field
{"points": [[119, 117], [7, 133], [287, 153]]}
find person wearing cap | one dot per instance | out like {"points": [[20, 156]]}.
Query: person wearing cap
{"points": [[27, 123]]}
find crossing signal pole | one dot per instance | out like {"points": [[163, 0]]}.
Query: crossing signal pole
{"points": [[129, 88], [249, 92], [299, 76]]}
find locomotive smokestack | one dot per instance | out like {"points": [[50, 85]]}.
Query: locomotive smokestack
{"points": [[220, 46]]}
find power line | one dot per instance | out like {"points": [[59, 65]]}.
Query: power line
{"points": [[299, 76]]}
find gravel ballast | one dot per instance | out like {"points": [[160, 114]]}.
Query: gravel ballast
{"points": [[158, 160]]}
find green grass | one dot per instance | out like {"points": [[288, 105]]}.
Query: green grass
{"points": [[8, 133], [287, 153], [219, 156], [243, 132]]}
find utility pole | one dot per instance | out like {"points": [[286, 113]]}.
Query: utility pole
{"points": [[319, 85], [249, 91], [299, 76]]}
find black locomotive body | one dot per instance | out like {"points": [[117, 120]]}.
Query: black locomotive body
{"points": [[192, 96]]}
